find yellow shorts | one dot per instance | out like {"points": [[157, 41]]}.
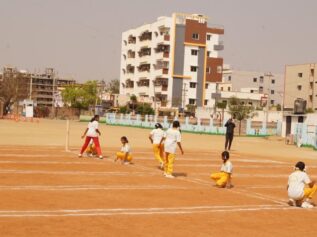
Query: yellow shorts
{"points": [[221, 178], [121, 156]]}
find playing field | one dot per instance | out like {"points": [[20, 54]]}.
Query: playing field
{"points": [[46, 191]]}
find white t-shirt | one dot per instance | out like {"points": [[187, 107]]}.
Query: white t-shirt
{"points": [[296, 184], [227, 167], [92, 126], [157, 135], [172, 137], [126, 148]]}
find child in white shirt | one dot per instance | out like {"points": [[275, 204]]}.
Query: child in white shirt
{"points": [[300, 188], [172, 139], [223, 178], [125, 153], [155, 137]]}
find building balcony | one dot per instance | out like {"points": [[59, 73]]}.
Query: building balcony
{"points": [[129, 84], [165, 71], [144, 52], [131, 39], [143, 83], [147, 35], [144, 67], [167, 37], [218, 47]]}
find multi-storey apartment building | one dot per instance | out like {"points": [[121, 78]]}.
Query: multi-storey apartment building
{"points": [[42, 88], [272, 85], [172, 62], [45, 87], [301, 82]]}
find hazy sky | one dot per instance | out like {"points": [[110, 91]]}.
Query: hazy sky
{"points": [[82, 38]]}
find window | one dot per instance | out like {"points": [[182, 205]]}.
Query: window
{"points": [[208, 54], [273, 81], [251, 91], [272, 92], [229, 78], [208, 37], [255, 79], [250, 103], [272, 102], [206, 102], [229, 88], [193, 68], [194, 52], [206, 86], [219, 69], [208, 70], [221, 88], [299, 87], [195, 36], [300, 74], [192, 84], [261, 79], [192, 101]]}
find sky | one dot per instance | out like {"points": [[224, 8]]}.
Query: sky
{"points": [[82, 39]]}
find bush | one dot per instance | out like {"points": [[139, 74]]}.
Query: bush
{"points": [[124, 110], [144, 109]]}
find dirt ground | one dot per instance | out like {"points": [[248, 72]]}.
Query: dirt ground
{"points": [[46, 191]]}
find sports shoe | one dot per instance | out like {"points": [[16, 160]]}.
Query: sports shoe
{"points": [[169, 176], [100, 157], [307, 205], [80, 155], [162, 166], [291, 202]]}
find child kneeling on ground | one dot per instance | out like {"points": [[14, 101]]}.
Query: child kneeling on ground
{"points": [[125, 153], [223, 178], [300, 188]]}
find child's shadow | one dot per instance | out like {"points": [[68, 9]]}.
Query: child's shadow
{"points": [[180, 174]]}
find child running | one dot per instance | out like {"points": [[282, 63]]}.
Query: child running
{"points": [[172, 137], [125, 153], [155, 137], [223, 178], [298, 194], [91, 133]]}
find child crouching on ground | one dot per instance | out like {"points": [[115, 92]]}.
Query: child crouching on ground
{"points": [[298, 194], [91, 150], [223, 178], [125, 153]]}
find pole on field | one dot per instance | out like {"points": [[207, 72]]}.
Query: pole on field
{"points": [[67, 136]]}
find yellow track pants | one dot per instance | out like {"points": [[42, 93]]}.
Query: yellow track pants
{"points": [[309, 192], [158, 152], [121, 156], [169, 163], [221, 178]]}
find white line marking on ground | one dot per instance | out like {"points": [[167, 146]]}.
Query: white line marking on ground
{"points": [[102, 173], [88, 187], [142, 211]]}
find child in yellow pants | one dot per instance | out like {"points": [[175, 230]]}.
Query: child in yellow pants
{"points": [[172, 138], [155, 137], [223, 178], [125, 153], [91, 149], [300, 188]]}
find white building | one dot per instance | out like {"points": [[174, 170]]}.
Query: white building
{"points": [[271, 84], [172, 62]]}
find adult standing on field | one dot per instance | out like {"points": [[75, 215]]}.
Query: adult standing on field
{"points": [[92, 133], [230, 125]]}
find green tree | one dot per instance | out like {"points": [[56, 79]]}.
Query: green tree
{"points": [[144, 109], [82, 96], [133, 101], [240, 111]]}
